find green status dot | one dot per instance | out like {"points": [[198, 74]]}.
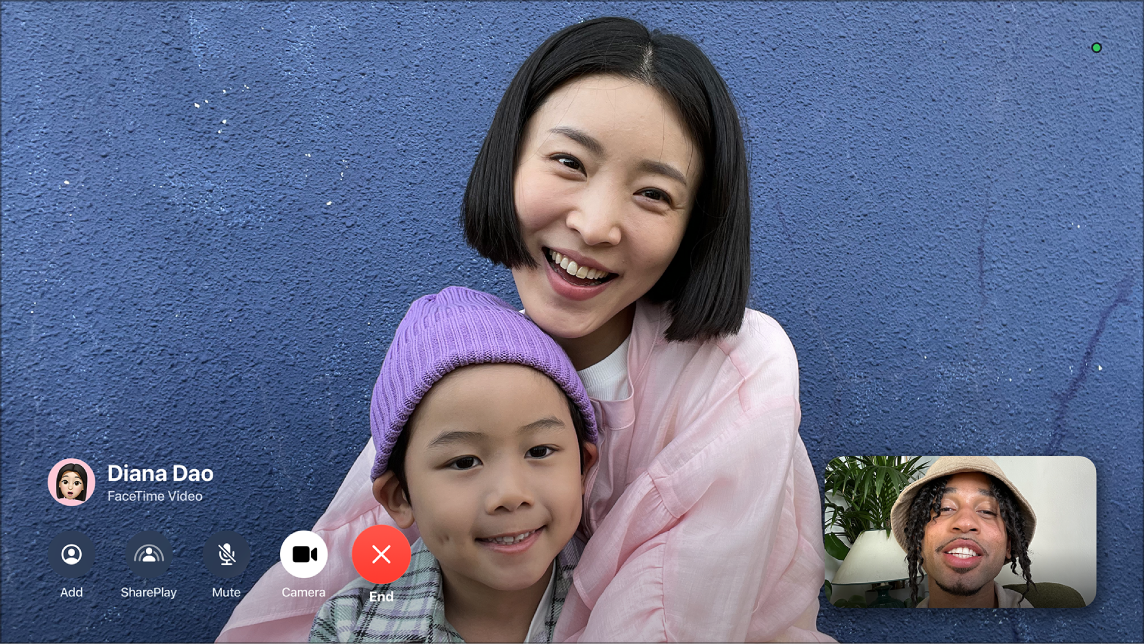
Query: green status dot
{"points": [[1096, 47]]}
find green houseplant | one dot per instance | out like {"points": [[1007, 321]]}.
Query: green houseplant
{"points": [[860, 492]]}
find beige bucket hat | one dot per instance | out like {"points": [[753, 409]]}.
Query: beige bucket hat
{"points": [[947, 466]]}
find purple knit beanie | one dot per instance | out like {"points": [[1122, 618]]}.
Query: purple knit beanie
{"points": [[449, 330]]}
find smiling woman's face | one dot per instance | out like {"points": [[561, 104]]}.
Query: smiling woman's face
{"points": [[606, 181]]}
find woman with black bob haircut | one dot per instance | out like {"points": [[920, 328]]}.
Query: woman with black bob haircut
{"points": [[706, 284], [613, 183]]}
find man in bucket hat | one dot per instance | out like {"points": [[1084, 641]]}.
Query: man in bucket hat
{"points": [[961, 523]]}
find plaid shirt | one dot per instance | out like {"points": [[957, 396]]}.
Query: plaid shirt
{"points": [[417, 612]]}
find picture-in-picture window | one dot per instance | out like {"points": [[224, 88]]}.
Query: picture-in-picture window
{"points": [[960, 531]]}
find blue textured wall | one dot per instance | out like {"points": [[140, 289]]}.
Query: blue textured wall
{"points": [[215, 214]]}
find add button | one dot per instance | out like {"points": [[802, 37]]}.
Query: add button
{"points": [[381, 554]]}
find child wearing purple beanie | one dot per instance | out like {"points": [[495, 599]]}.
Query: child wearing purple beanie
{"points": [[484, 434]]}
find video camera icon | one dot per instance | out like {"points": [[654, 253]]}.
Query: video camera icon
{"points": [[303, 554]]}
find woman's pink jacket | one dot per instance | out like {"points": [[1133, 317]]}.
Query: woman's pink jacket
{"points": [[704, 511]]}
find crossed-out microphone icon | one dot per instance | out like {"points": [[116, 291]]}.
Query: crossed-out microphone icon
{"points": [[227, 555]]}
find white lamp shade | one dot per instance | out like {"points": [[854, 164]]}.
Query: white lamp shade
{"points": [[874, 558]]}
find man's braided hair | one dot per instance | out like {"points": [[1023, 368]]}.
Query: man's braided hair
{"points": [[926, 506]]}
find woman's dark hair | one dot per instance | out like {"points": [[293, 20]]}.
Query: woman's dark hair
{"points": [[926, 506], [78, 469], [397, 456], [706, 283]]}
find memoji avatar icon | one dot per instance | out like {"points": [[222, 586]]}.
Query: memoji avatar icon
{"points": [[71, 481]]}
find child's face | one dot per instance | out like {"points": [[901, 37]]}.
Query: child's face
{"points": [[70, 485], [493, 456]]}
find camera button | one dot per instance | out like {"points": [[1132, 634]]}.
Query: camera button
{"points": [[303, 554]]}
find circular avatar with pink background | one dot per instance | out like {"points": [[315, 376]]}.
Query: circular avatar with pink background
{"points": [[71, 481]]}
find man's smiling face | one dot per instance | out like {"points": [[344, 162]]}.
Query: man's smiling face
{"points": [[965, 543]]}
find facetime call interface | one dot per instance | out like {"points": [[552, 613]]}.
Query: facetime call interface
{"points": [[580, 321]]}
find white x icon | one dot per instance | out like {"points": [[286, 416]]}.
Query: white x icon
{"points": [[381, 554]]}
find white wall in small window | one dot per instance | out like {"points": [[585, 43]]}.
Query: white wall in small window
{"points": [[1062, 491]]}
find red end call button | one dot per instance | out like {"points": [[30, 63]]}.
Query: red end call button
{"points": [[381, 554]]}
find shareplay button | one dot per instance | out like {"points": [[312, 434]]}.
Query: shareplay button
{"points": [[381, 554]]}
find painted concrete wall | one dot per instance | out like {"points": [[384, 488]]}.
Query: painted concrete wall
{"points": [[215, 214]]}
